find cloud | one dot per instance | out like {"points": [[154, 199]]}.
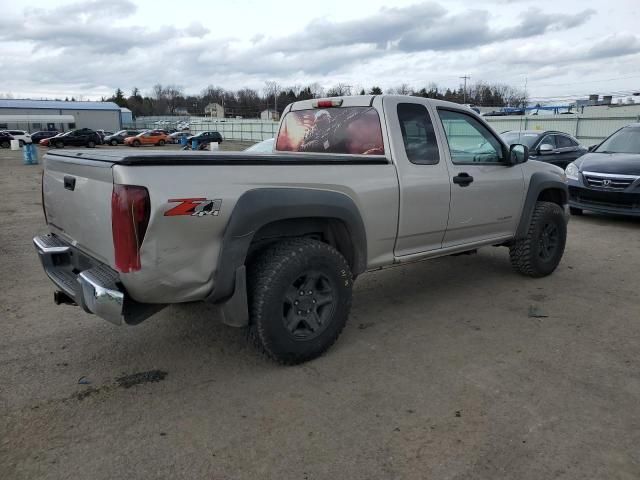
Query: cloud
{"points": [[93, 47]]}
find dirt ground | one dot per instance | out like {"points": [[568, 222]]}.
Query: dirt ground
{"points": [[441, 373]]}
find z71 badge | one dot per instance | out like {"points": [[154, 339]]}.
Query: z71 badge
{"points": [[195, 207]]}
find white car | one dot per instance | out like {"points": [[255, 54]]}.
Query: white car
{"points": [[21, 135]]}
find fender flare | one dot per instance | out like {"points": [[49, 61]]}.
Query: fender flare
{"points": [[259, 207], [539, 182]]}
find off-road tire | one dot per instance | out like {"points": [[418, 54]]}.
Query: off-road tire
{"points": [[575, 211], [272, 275], [525, 253]]}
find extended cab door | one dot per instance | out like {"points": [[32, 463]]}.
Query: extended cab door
{"points": [[422, 174], [486, 191]]}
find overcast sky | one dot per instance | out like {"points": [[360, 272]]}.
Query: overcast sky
{"points": [[57, 48]]}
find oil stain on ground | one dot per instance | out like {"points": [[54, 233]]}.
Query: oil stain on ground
{"points": [[126, 381]]}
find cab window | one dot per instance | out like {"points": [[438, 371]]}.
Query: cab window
{"points": [[470, 142], [418, 135]]}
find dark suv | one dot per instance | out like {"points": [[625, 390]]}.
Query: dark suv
{"points": [[556, 148], [206, 138], [83, 137], [5, 139]]}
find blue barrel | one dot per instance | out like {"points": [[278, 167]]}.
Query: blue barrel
{"points": [[183, 140], [29, 154], [194, 144]]}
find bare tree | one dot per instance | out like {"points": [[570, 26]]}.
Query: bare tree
{"points": [[172, 95], [271, 91], [339, 90]]}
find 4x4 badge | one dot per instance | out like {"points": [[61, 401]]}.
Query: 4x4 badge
{"points": [[195, 207]]}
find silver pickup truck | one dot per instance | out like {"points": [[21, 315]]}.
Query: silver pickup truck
{"points": [[354, 184]]}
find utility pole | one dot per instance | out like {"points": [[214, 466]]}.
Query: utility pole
{"points": [[464, 95]]}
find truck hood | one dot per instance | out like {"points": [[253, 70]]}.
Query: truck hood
{"points": [[621, 163]]}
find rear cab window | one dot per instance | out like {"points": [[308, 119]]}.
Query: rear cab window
{"points": [[352, 130]]}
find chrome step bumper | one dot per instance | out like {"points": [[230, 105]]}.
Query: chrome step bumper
{"points": [[91, 284]]}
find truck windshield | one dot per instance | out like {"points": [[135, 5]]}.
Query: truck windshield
{"points": [[350, 130], [626, 140]]}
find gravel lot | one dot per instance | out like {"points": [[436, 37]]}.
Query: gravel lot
{"points": [[441, 373]]}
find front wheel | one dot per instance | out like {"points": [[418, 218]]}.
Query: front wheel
{"points": [[59, 144], [539, 252], [136, 143], [161, 143], [5, 144], [91, 144], [299, 299], [114, 143]]}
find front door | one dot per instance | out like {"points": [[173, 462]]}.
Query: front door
{"points": [[486, 191]]}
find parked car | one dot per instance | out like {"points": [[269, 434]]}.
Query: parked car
{"points": [[265, 146], [277, 240], [177, 136], [82, 137], [20, 135], [5, 139], [151, 137], [607, 179], [556, 148], [40, 135], [119, 137], [205, 138]]}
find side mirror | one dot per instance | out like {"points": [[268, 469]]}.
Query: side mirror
{"points": [[518, 154], [545, 149], [592, 148]]}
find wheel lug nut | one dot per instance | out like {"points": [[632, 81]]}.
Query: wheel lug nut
{"points": [[301, 292], [314, 300], [299, 312], [296, 302], [310, 292]]}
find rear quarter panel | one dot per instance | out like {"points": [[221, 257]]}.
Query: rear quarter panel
{"points": [[179, 253]]}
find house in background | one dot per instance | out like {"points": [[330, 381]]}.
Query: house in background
{"points": [[269, 114], [214, 110]]}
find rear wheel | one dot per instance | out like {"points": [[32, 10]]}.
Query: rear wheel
{"points": [[575, 211], [539, 252], [299, 299], [161, 143], [5, 144], [136, 143], [59, 144], [113, 143], [21, 143], [91, 144]]}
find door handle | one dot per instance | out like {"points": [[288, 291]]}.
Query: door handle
{"points": [[463, 179]]}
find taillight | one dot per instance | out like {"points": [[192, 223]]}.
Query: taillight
{"points": [[327, 103], [130, 211], [44, 210]]}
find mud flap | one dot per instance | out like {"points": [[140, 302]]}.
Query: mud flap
{"points": [[235, 311]]}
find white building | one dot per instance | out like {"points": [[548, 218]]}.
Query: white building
{"points": [[59, 115], [269, 114], [214, 110]]}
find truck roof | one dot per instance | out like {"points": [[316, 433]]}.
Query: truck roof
{"points": [[367, 100]]}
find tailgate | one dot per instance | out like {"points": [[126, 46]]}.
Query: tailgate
{"points": [[77, 202]]}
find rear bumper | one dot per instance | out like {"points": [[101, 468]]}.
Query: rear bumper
{"points": [[92, 285]]}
